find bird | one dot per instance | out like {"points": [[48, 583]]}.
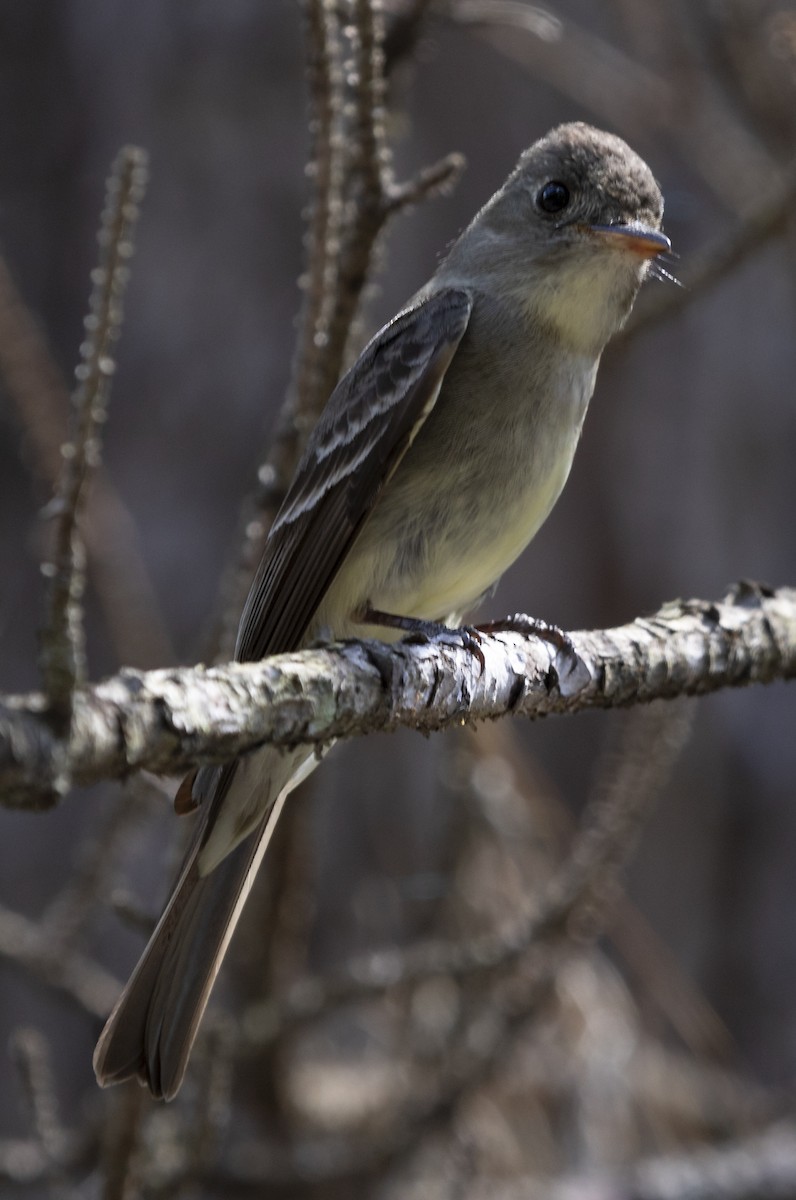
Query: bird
{"points": [[436, 459]]}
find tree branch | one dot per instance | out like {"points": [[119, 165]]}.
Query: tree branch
{"points": [[761, 1166], [354, 196], [165, 720], [39, 396], [62, 650], [626, 93], [582, 892], [26, 945]]}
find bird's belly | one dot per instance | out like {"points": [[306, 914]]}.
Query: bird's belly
{"points": [[433, 557], [466, 560], [466, 499]]}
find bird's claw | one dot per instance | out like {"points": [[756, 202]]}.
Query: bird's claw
{"points": [[533, 626], [468, 636]]}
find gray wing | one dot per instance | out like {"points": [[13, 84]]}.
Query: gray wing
{"points": [[369, 422]]}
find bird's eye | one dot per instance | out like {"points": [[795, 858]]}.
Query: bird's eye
{"points": [[553, 197]]}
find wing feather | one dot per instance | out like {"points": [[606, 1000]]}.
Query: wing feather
{"points": [[369, 422]]}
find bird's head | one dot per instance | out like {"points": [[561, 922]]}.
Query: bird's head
{"points": [[572, 232]]}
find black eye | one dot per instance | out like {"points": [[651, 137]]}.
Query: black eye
{"points": [[553, 197]]}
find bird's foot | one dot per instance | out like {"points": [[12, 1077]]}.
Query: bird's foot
{"points": [[419, 631], [535, 626]]}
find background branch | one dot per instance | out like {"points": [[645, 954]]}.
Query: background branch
{"points": [[116, 564], [354, 195], [62, 650]]}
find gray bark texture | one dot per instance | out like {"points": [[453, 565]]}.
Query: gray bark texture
{"points": [[166, 720]]}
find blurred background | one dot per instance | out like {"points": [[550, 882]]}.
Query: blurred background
{"points": [[683, 484]]}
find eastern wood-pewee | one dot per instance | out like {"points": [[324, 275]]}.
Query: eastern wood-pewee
{"points": [[437, 458]]}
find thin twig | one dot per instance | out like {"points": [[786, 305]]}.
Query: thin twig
{"points": [[62, 649], [307, 391], [68, 914], [627, 787], [405, 29], [628, 781], [212, 1110], [628, 95], [325, 215], [761, 1166], [698, 1093], [438, 179], [661, 979], [116, 563], [660, 976], [30, 1054], [121, 1153], [24, 944], [572, 913], [369, 175], [354, 196]]}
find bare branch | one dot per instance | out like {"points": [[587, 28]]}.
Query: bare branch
{"points": [[437, 180], [628, 787], [325, 214], [573, 912], [663, 980], [122, 1157], [625, 93], [67, 916], [23, 943], [354, 196], [761, 1166], [165, 720], [115, 560], [62, 652], [407, 25], [31, 1056], [660, 977]]}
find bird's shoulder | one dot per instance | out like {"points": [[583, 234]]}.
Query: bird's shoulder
{"points": [[391, 361]]}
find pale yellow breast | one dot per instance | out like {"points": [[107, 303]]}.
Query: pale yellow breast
{"points": [[459, 574], [464, 559]]}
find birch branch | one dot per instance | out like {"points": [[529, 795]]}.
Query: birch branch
{"points": [[165, 720]]}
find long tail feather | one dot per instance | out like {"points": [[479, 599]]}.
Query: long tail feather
{"points": [[153, 1025]]}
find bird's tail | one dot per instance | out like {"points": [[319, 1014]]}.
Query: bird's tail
{"points": [[153, 1025]]}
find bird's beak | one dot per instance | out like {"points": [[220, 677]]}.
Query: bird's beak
{"points": [[639, 238]]}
